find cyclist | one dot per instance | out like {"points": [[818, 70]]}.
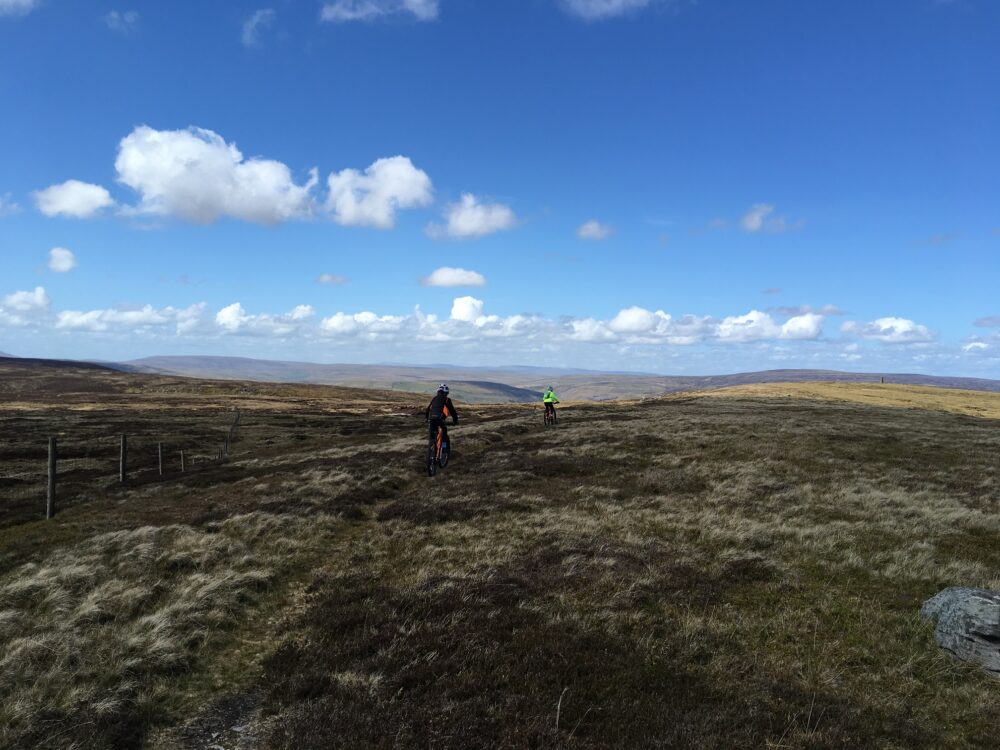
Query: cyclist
{"points": [[550, 401], [438, 411]]}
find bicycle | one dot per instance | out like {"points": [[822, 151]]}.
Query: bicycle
{"points": [[438, 452], [550, 415]]}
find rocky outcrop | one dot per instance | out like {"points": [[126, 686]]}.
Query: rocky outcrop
{"points": [[968, 624]]}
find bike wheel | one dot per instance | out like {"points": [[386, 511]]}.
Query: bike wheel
{"points": [[431, 462], [445, 455]]}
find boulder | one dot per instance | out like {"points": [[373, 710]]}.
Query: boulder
{"points": [[968, 624]]}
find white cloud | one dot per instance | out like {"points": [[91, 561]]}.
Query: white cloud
{"points": [[123, 22], [449, 277], [17, 7], [7, 206], [139, 319], [342, 11], [890, 330], [79, 200], [331, 278], [594, 230], [27, 302], [975, 346], [234, 319], [590, 330], [61, 260], [593, 10], [195, 175], [758, 326], [366, 323], [469, 218], [468, 309], [231, 317], [806, 327], [371, 198], [635, 320], [759, 219], [257, 22]]}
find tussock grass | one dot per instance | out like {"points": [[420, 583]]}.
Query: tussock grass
{"points": [[90, 638]]}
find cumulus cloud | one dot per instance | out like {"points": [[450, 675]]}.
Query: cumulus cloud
{"points": [[24, 307], [365, 323], [73, 198], [469, 219], [331, 278], [757, 325], [990, 321], [975, 346], [595, 10], [342, 11], [371, 198], [890, 330], [124, 22], [138, 319], [594, 230], [468, 309], [195, 175], [449, 277], [61, 260], [27, 302], [17, 7], [234, 319], [257, 22]]}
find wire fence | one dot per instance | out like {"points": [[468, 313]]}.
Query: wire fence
{"points": [[171, 461]]}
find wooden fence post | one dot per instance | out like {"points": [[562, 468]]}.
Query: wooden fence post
{"points": [[50, 503], [182, 462], [123, 460], [159, 454]]}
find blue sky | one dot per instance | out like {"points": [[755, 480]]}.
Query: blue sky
{"points": [[657, 185]]}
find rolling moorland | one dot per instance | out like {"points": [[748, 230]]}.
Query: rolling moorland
{"points": [[728, 568], [509, 384]]}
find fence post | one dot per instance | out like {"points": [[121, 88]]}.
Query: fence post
{"points": [[159, 455], [50, 503], [182, 462], [882, 379], [123, 460]]}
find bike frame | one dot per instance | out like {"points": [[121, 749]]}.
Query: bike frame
{"points": [[437, 443]]}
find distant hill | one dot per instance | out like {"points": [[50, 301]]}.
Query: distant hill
{"points": [[7, 356], [511, 384]]}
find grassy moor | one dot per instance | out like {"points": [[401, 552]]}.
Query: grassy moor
{"points": [[733, 568]]}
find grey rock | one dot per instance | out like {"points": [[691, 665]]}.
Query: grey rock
{"points": [[968, 624]]}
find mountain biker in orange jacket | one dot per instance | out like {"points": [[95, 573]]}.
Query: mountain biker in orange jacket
{"points": [[438, 411]]}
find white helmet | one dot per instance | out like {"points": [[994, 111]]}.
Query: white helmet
{"points": [[443, 388]]}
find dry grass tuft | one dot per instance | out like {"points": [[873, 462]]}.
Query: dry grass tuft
{"points": [[90, 637]]}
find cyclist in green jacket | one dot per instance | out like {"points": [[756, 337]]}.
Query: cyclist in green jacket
{"points": [[550, 401]]}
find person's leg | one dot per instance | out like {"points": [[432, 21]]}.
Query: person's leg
{"points": [[432, 432]]}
